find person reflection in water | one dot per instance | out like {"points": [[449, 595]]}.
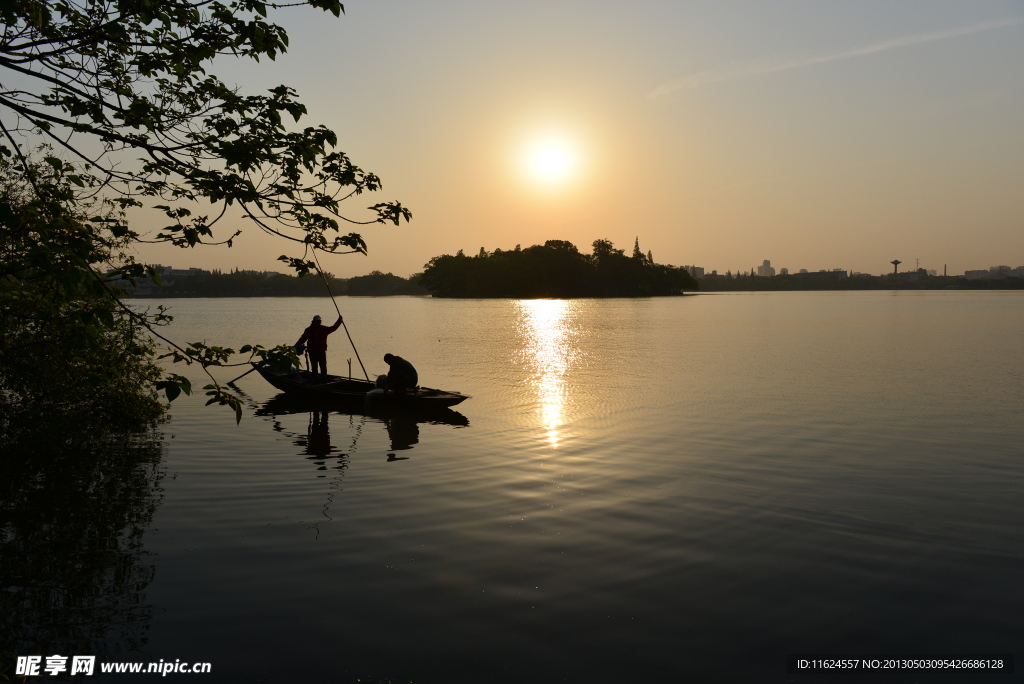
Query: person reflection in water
{"points": [[318, 443], [403, 431], [316, 335]]}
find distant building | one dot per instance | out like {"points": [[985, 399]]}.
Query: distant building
{"points": [[170, 272], [186, 272], [168, 276], [765, 270], [695, 271], [783, 271], [834, 274], [909, 275], [996, 272]]}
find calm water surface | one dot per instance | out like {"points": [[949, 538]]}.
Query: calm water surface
{"points": [[682, 489]]}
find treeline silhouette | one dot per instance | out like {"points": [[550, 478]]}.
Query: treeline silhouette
{"points": [[555, 269], [257, 284], [377, 284]]}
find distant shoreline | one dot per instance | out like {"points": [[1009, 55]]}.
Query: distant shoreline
{"points": [[180, 295], [681, 294], [196, 283], [854, 284], [387, 285]]}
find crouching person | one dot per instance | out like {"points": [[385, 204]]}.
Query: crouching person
{"points": [[402, 376]]}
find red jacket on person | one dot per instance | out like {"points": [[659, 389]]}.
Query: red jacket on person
{"points": [[316, 336]]}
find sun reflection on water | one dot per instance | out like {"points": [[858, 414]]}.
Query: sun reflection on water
{"points": [[550, 351]]}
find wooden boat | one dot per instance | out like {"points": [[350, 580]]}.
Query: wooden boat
{"points": [[305, 385]]}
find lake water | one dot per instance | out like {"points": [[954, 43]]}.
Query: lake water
{"points": [[672, 489]]}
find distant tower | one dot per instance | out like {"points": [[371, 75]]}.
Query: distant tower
{"points": [[766, 269], [895, 266]]}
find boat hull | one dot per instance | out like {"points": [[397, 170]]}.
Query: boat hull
{"points": [[305, 385]]}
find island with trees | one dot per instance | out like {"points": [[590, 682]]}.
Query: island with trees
{"points": [[555, 269]]}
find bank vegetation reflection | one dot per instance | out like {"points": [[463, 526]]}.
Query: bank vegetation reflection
{"points": [[550, 350], [73, 519]]}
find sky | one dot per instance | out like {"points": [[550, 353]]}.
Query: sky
{"points": [[817, 135]]}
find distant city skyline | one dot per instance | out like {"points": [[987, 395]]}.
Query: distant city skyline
{"points": [[354, 265], [762, 270], [818, 135]]}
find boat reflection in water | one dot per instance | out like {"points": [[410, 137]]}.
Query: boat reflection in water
{"points": [[334, 453], [402, 424]]}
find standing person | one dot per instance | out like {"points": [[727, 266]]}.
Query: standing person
{"points": [[402, 375], [316, 335]]}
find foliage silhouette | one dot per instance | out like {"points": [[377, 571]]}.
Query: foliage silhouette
{"points": [[66, 346], [123, 93]]}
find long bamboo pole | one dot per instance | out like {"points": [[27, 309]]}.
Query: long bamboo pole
{"points": [[328, 285], [241, 376]]}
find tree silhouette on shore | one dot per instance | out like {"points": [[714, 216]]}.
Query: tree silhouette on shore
{"points": [[555, 269]]}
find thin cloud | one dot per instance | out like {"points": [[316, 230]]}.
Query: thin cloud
{"points": [[761, 67]]}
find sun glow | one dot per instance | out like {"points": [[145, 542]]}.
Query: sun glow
{"points": [[551, 160], [550, 350]]}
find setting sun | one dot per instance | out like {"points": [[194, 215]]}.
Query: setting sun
{"points": [[551, 160]]}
